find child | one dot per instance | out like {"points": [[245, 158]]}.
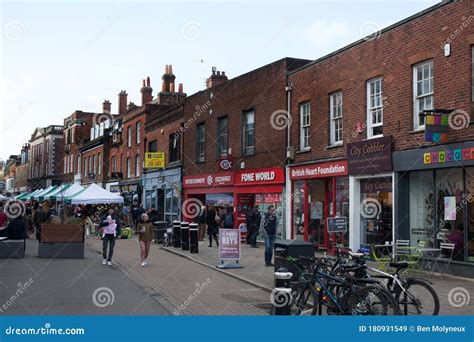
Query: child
{"points": [[109, 234]]}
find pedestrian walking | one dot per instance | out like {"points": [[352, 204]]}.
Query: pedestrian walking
{"points": [[145, 237], [253, 223], [201, 221], [42, 214], [268, 226], [227, 218], [109, 234], [212, 221]]}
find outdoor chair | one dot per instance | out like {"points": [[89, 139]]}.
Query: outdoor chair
{"points": [[442, 262], [415, 259], [402, 250], [382, 261]]}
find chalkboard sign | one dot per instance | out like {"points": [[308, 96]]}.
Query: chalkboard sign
{"points": [[337, 224]]}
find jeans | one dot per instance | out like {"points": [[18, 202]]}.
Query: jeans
{"points": [[108, 240], [252, 235], [269, 242]]}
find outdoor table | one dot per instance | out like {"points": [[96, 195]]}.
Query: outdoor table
{"points": [[386, 249], [428, 257]]}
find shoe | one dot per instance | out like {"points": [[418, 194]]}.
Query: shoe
{"points": [[143, 264], [209, 246], [109, 263], [269, 264], [104, 262]]}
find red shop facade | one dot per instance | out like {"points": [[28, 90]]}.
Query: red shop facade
{"points": [[319, 191], [240, 190]]}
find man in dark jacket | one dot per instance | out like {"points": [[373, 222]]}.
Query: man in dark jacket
{"points": [[104, 222], [212, 225], [16, 229], [269, 226], [153, 215], [253, 223]]}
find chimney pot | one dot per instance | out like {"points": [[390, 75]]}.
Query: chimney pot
{"points": [[171, 87], [218, 73], [106, 106], [223, 74], [167, 69], [180, 88], [148, 81], [171, 69], [143, 83]]}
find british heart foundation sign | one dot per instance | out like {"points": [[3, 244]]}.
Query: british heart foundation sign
{"points": [[229, 244]]}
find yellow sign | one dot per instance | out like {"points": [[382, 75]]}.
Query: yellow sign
{"points": [[154, 160]]}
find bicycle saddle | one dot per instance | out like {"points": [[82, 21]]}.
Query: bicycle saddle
{"points": [[399, 264]]}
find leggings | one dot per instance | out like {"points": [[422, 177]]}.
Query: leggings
{"points": [[144, 249]]}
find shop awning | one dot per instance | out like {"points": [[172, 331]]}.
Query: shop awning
{"points": [[95, 194]]}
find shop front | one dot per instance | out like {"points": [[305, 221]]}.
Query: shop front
{"points": [[240, 190], [435, 198], [131, 190], [162, 191], [319, 191], [371, 193]]}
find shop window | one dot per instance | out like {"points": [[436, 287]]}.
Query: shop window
{"points": [[335, 104], [450, 207], [423, 91], [222, 136], [153, 146], [174, 147], [305, 122], [248, 133], [298, 209], [375, 108], [200, 143], [422, 208]]}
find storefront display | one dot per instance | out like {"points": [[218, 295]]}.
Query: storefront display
{"points": [[319, 191], [441, 200]]}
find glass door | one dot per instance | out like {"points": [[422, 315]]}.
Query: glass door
{"points": [[318, 209]]}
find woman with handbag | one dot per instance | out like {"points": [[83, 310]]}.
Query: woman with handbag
{"points": [[145, 231], [213, 221]]}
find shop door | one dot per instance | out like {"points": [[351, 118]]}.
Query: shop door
{"points": [[317, 212], [161, 203]]}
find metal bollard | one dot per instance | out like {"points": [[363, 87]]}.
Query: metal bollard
{"points": [[185, 236], [177, 234], [282, 297], [193, 238]]}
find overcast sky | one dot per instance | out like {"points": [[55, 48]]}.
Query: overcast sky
{"points": [[60, 56]]}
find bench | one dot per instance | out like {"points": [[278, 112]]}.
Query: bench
{"points": [[61, 241], [12, 249]]}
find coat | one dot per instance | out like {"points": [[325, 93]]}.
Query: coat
{"points": [[147, 235]]}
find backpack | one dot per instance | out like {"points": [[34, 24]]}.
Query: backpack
{"points": [[228, 220]]}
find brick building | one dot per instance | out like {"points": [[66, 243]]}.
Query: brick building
{"points": [[46, 151], [234, 141], [352, 108], [21, 174]]}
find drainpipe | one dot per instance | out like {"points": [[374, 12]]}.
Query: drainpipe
{"points": [[288, 187], [288, 89]]}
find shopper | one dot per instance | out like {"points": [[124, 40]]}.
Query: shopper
{"points": [[227, 218], [268, 226], [201, 221], [253, 223], [212, 224], [42, 214], [109, 234], [137, 213], [16, 229], [145, 231]]}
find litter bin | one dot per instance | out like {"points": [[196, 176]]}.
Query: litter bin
{"points": [[185, 236], [293, 248], [177, 234], [159, 229], [193, 238]]}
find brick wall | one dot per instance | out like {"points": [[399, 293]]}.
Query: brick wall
{"points": [[390, 55]]}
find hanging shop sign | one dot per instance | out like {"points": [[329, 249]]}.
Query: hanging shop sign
{"points": [[215, 179], [319, 170], [154, 160], [370, 156], [260, 176]]}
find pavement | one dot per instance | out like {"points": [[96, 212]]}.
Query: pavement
{"points": [[456, 294]]}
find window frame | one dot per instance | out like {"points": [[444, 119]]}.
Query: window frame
{"points": [[333, 120], [370, 109], [247, 150], [174, 151], [199, 141], [138, 126], [416, 97], [304, 128], [137, 166], [129, 136], [221, 152], [113, 161], [129, 166]]}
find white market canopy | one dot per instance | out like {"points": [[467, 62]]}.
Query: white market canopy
{"points": [[95, 194], [74, 189], [43, 192], [30, 196], [56, 191]]}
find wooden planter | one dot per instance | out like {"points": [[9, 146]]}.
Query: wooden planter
{"points": [[61, 241]]}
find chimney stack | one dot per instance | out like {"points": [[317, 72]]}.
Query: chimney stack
{"points": [[106, 106], [122, 108], [146, 91], [216, 78], [168, 79]]}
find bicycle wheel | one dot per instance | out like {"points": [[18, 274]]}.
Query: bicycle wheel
{"points": [[372, 300], [305, 303], [419, 298]]}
